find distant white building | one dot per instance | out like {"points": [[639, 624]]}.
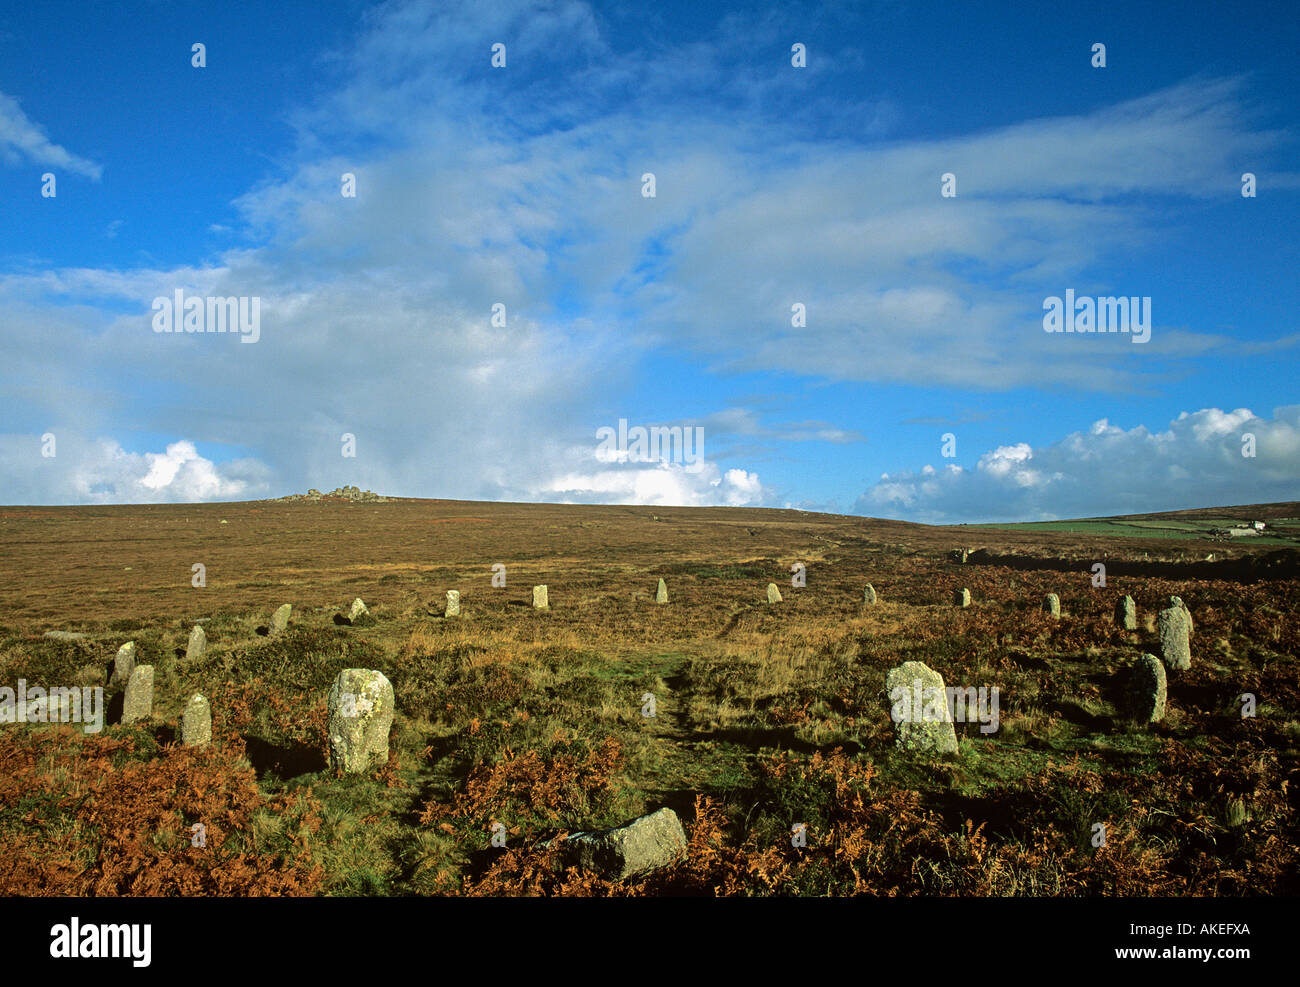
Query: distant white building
{"points": [[1259, 525]]}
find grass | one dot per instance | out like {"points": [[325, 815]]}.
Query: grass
{"points": [[765, 716]]}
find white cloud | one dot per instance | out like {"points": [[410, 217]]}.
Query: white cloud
{"points": [[1106, 470], [101, 472], [21, 140]]}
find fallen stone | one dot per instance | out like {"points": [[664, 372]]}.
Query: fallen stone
{"points": [[360, 709], [196, 722], [645, 844], [138, 703], [65, 635], [919, 709]]}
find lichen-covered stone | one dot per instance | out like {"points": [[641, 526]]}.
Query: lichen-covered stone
{"points": [[1177, 601], [661, 594], [636, 848], [869, 594], [1173, 630], [196, 722], [138, 702], [773, 594], [123, 665], [453, 603], [961, 597], [541, 598], [918, 705], [360, 715], [1147, 690], [280, 619], [1126, 614], [1052, 605], [198, 644]]}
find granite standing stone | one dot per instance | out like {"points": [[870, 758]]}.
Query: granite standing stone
{"points": [[919, 709], [541, 598], [869, 594], [961, 597], [661, 594], [1147, 690], [1174, 647], [196, 722], [358, 609], [198, 644], [1126, 614], [280, 619], [773, 594], [123, 665], [138, 703], [1177, 601], [453, 603], [360, 715], [1052, 605]]}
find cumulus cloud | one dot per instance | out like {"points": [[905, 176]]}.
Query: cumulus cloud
{"points": [[661, 485], [1105, 469], [102, 472]]}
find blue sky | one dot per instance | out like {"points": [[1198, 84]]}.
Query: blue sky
{"points": [[522, 186]]}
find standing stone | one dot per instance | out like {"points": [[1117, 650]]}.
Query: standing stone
{"points": [[963, 556], [138, 704], [453, 603], [919, 709], [541, 600], [1174, 648], [635, 848], [961, 597], [198, 644], [280, 619], [1177, 601], [358, 609], [360, 715], [1147, 690], [1052, 605], [869, 594], [123, 665], [773, 594], [196, 722], [661, 594], [1126, 614]]}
